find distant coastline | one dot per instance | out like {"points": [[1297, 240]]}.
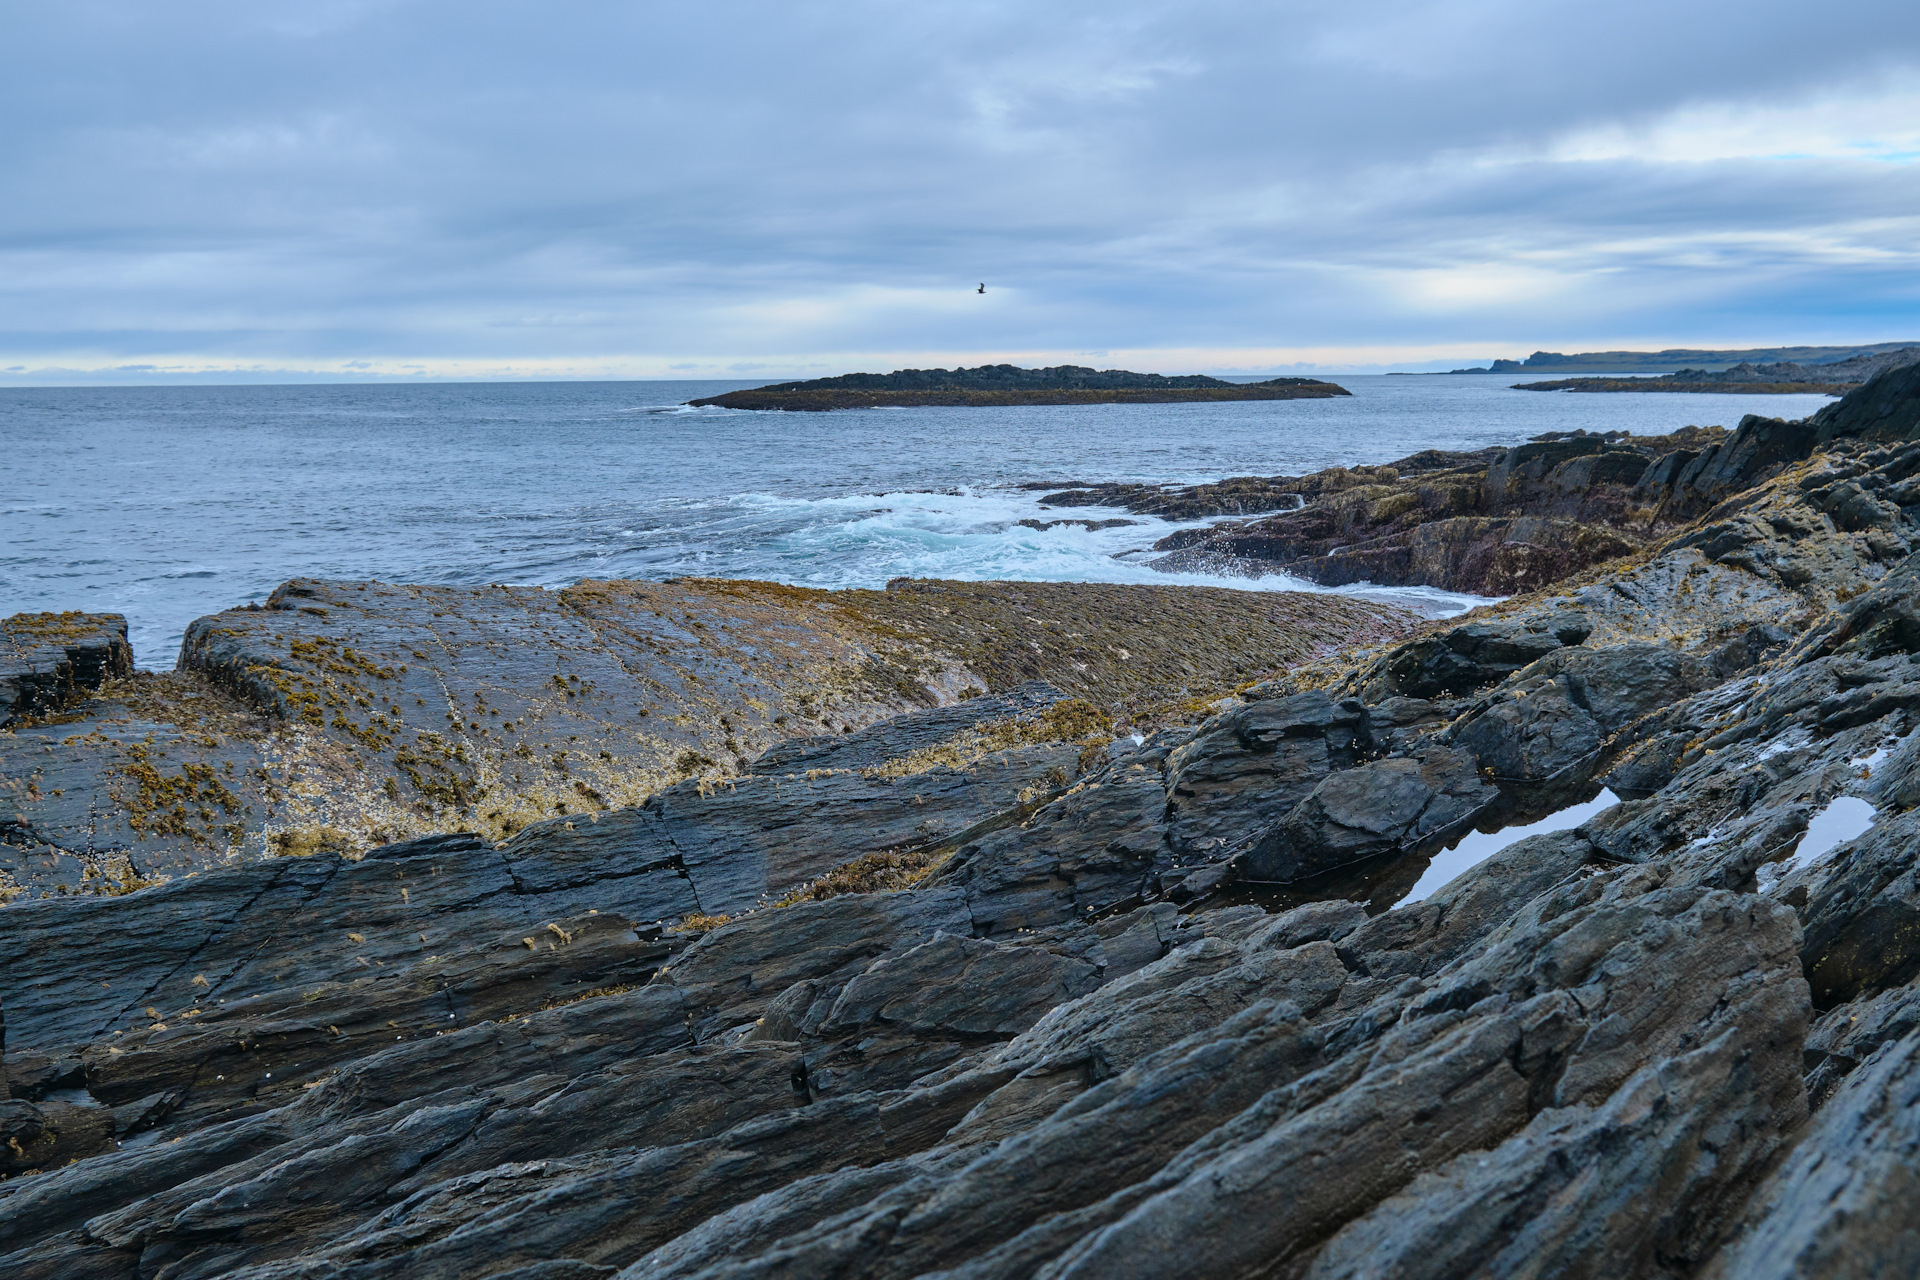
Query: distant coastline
{"points": [[1784, 377], [1005, 384], [1674, 360], [1670, 384]]}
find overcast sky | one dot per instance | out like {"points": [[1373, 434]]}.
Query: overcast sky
{"points": [[724, 188]]}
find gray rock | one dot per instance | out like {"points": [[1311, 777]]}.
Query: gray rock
{"points": [[1842, 1203], [898, 735], [1246, 768], [1372, 810], [1090, 851]]}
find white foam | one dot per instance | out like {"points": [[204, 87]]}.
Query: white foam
{"points": [[975, 535], [1477, 846]]}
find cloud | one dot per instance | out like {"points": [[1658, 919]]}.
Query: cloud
{"points": [[460, 189]]}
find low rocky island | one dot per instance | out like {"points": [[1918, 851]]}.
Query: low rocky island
{"points": [[987, 932], [1005, 384]]}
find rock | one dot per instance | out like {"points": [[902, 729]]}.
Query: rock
{"points": [[1291, 1187], [956, 985], [1090, 851], [1849, 1034], [1862, 914], [1494, 523], [901, 735], [1587, 1191], [1421, 938], [1375, 809], [1841, 1204], [1754, 452], [47, 660], [1469, 657], [1886, 408], [1249, 766]]}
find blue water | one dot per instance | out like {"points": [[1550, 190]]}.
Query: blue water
{"points": [[167, 503]]}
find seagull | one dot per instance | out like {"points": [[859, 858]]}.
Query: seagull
{"points": [[983, 287]]}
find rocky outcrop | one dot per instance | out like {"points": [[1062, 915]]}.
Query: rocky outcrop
{"points": [[1492, 524], [1886, 409], [1524, 518], [51, 660], [1164, 1017]]}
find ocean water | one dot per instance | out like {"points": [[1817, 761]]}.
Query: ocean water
{"points": [[167, 503]]}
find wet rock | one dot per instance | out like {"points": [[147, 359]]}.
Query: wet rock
{"points": [[1421, 938], [1092, 850], [954, 984], [1849, 1034], [1291, 1187], [731, 974], [1495, 523], [1547, 731], [1862, 914]]}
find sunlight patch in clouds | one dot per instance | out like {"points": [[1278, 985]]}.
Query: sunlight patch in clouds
{"points": [[1881, 125]]}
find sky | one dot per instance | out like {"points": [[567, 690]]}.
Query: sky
{"points": [[373, 189]]}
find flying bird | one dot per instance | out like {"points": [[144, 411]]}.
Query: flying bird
{"points": [[983, 286]]}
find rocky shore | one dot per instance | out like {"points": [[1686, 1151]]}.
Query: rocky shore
{"points": [[1180, 1003], [1005, 384]]}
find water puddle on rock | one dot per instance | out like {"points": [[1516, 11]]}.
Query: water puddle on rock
{"points": [[1477, 846], [1846, 818]]}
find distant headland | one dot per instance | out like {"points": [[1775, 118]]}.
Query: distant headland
{"points": [[1784, 377], [1674, 360], [1005, 384]]}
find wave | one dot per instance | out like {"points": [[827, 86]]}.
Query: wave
{"points": [[865, 540]]}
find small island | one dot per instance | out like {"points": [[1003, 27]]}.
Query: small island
{"points": [[1005, 384]]}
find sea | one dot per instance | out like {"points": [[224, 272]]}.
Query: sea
{"points": [[169, 503]]}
